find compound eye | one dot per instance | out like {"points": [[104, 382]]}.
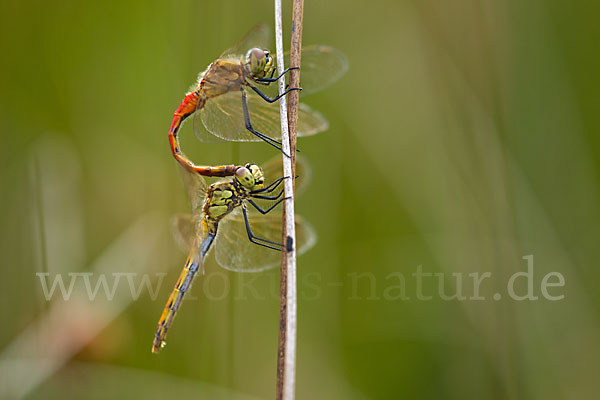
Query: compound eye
{"points": [[257, 54], [242, 172]]}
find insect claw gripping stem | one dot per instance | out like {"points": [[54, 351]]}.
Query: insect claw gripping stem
{"points": [[257, 240], [262, 136]]}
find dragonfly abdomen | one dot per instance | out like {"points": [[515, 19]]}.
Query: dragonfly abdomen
{"points": [[206, 243], [185, 109], [181, 287], [192, 102]]}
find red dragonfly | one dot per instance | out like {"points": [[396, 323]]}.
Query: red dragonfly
{"points": [[227, 101]]}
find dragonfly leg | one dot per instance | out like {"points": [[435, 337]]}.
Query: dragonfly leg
{"points": [[258, 196], [260, 210], [271, 187], [267, 139], [271, 79], [274, 99], [257, 240]]}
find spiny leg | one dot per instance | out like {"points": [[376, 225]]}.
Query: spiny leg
{"points": [[270, 188], [257, 240], [262, 136], [271, 79], [260, 210], [262, 197], [274, 99]]}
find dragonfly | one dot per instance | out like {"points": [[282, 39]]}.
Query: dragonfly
{"points": [[233, 99], [229, 217]]}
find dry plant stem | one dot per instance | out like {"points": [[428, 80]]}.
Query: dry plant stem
{"points": [[295, 56], [286, 354]]}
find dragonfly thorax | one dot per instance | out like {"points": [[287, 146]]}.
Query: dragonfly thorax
{"points": [[259, 63]]}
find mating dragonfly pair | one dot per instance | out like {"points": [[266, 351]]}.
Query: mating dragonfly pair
{"points": [[227, 103]]}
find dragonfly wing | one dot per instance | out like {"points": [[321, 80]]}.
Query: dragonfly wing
{"points": [[190, 235], [196, 187], [310, 122], [273, 169], [185, 227], [200, 130], [306, 236], [259, 36], [234, 252], [223, 116], [320, 67]]}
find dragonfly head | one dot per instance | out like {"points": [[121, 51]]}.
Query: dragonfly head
{"points": [[259, 62], [250, 176]]}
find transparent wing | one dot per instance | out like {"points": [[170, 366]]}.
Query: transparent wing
{"points": [[197, 124], [217, 123], [223, 116], [185, 227], [273, 169], [196, 187], [259, 36], [189, 234], [233, 250], [321, 66]]}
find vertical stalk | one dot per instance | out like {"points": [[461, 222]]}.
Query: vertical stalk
{"points": [[286, 354], [295, 57]]}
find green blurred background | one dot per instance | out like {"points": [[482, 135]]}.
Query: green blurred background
{"points": [[463, 138]]}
